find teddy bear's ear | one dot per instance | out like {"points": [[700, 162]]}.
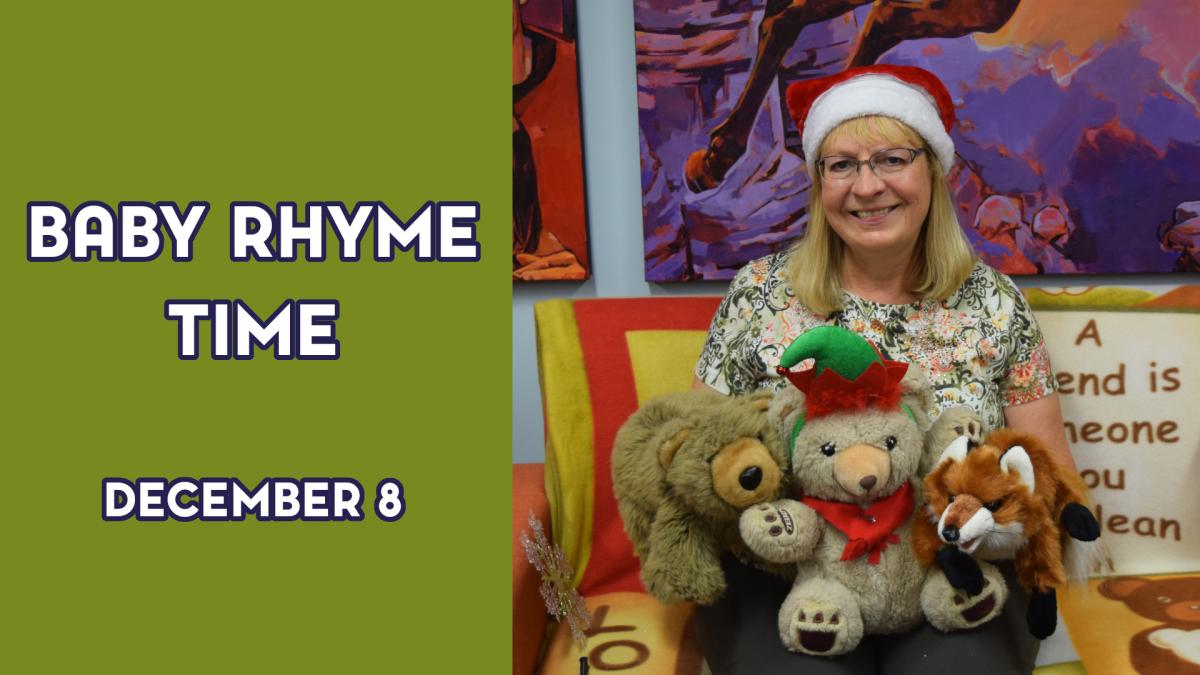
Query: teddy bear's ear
{"points": [[666, 451], [656, 426], [1119, 588], [786, 405], [917, 394]]}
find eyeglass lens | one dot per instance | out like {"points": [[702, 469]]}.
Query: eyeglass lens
{"points": [[892, 160]]}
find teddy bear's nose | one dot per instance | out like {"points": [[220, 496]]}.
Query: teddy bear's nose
{"points": [[867, 482], [950, 533], [751, 478]]}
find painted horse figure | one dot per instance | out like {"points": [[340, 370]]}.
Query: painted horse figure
{"points": [[889, 23]]}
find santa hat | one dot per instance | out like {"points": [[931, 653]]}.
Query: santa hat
{"points": [[912, 95], [848, 374]]}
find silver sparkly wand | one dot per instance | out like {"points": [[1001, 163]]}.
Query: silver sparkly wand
{"points": [[558, 590]]}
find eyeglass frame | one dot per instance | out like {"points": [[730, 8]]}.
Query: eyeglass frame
{"points": [[870, 162]]}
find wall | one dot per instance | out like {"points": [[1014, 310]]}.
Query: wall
{"points": [[606, 57]]}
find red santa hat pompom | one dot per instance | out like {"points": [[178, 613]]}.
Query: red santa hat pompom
{"points": [[912, 95]]}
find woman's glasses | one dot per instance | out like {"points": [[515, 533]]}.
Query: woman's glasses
{"points": [[884, 162]]}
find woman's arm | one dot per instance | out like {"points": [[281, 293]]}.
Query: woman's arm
{"points": [[1043, 418], [697, 383]]}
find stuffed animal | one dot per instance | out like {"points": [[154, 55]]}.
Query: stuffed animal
{"points": [[685, 466], [856, 425], [1171, 644], [1008, 498], [953, 422]]}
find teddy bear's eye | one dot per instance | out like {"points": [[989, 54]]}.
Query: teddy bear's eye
{"points": [[889, 442], [828, 449], [950, 499], [992, 506], [1164, 599]]}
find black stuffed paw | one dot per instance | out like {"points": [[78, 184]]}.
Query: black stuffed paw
{"points": [[1042, 615], [1079, 522], [961, 570]]}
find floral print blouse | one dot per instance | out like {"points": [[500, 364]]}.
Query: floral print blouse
{"points": [[981, 347]]}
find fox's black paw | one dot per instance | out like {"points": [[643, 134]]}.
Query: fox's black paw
{"points": [[1080, 522], [961, 570], [1042, 614]]}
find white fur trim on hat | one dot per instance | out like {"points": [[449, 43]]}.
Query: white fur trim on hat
{"points": [[875, 94]]}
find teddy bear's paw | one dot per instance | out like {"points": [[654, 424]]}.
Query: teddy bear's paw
{"points": [[820, 627], [950, 425], [781, 531], [955, 422], [950, 609]]}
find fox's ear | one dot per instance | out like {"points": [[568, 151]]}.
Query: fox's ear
{"points": [[1016, 459], [956, 451]]}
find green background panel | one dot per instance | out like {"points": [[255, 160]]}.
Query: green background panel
{"points": [[399, 102]]}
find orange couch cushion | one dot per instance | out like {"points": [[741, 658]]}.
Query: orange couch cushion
{"points": [[631, 632]]}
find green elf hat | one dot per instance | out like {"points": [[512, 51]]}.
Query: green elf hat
{"points": [[849, 374]]}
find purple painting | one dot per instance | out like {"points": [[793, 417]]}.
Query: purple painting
{"points": [[1078, 138]]}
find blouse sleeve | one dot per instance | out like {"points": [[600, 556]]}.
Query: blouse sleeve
{"points": [[729, 362], [1028, 375]]}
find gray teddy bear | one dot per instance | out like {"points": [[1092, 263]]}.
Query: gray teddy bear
{"points": [[858, 442]]}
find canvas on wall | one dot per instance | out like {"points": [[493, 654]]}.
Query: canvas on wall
{"points": [[1078, 140], [549, 215], [1126, 399]]}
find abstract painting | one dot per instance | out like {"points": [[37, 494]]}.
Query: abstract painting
{"points": [[1078, 135], [549, 215]]}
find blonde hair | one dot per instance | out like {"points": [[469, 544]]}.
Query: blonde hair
{"points": [[943, 256]]}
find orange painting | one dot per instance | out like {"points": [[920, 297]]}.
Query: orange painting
{"points": [[549, 214]]}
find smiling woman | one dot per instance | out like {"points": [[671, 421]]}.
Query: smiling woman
{"points": [[877, 216], [888, 257], [883, 255]]}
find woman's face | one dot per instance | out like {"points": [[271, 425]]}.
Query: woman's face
{"points": [[876, 213]]}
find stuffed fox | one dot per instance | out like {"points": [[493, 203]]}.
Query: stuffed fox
{"points": [[1008, 498]]}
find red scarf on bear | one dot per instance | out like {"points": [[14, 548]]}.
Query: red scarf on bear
{"points": [[870, 530]]}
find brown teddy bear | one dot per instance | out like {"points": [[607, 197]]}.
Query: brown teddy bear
{"points": [[1173, 646], [685, 466], [857, 439]]}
